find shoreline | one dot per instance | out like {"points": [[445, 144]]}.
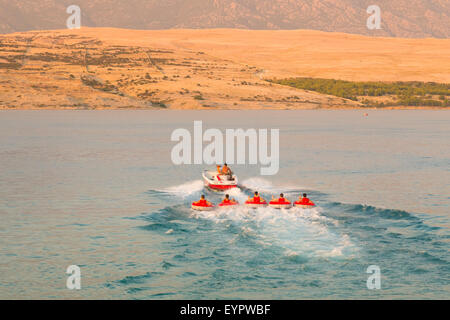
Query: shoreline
{"points": [[227, 109]]}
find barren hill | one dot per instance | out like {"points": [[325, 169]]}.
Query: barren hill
{"points": [[113, 68], [400, 18]]}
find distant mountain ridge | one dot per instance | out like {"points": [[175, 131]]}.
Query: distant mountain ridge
{"points": [[400, 18]]}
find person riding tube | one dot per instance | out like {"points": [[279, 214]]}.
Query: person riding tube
{"points": [[305, 201], [256, 198], [203, 202], [281, 199], [228, 201]]}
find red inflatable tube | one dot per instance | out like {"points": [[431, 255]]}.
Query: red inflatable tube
{"points": [[277, 204], [253, 204], [230, 204], [304, 204], [202, 207]]}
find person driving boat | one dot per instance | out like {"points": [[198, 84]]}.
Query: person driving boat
{"points": [[226, 171]]}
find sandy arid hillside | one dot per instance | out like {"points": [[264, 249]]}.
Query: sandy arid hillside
{"points": [[96, 68]]}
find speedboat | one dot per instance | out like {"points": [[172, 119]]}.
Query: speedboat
{"points": [[219, 182], [277, 204]]}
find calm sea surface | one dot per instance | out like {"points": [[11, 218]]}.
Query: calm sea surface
{"points": [[98, 189]]}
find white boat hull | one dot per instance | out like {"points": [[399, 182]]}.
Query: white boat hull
{"points": [[218, 182]]}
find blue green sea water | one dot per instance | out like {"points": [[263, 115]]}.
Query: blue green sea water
{"points": [[98, 189]]}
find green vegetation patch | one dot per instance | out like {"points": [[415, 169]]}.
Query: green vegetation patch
{"points": [[412, 93]]}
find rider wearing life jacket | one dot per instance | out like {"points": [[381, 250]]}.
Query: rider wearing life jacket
{"points": [[305, 200], [227, 200], [282, 199], [202, 201], [256, 198]]}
